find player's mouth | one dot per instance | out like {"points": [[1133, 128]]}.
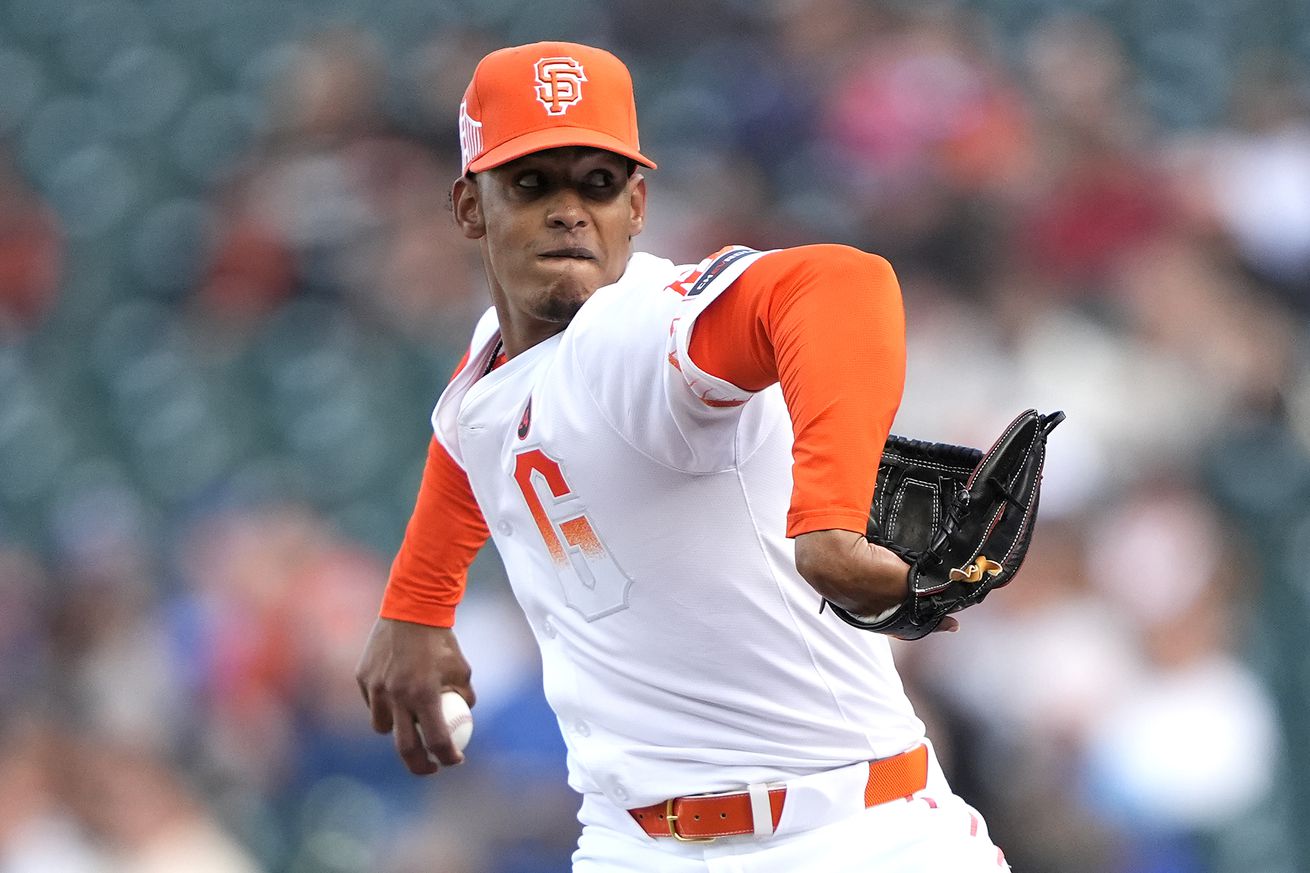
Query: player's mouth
{"points": [[575, 253]]}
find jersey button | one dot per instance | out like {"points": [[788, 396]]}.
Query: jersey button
{"points": [[505, 528], [548, 628], [582, 729], [620, 792]]}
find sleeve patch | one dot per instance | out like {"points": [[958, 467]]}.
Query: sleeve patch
{"points": [[699, 288], [716, 268]]}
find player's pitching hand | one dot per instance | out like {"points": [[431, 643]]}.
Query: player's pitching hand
{"points": [[402, 673]]}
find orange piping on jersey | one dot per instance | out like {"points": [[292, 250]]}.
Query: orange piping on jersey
{"points": [[828, 323]]}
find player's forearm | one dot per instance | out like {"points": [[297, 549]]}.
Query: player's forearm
{"points": [[844, 568]]}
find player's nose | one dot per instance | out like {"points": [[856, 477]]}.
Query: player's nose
{"points": [[566, 211]]}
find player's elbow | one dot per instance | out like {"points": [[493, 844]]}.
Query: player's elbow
{"points": [[862, 287], [847, 263]]}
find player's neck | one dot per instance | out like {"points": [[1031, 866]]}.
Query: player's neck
{"points": [[514, 347], [522, 326], [518, 333]]}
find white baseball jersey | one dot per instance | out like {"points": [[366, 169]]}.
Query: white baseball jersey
{"points": [[639, 505]]}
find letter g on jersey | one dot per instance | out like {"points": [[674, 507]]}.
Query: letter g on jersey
{"points": [[559, 84], [594, 584]]}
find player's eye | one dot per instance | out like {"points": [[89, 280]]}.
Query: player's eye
{"points": [[600, 179], [529, 181]]}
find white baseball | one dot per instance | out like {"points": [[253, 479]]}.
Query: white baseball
{"points": [[459, 721]]}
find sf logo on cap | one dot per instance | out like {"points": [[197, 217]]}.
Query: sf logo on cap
{"points": [[559, 84]]}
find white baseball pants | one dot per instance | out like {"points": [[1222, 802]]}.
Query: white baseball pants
{"points": [[934, 832]]}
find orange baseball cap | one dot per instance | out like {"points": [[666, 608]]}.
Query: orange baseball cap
{"points": [[546, 95]]}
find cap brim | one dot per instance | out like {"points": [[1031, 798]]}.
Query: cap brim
{"points": [[554, 138]]}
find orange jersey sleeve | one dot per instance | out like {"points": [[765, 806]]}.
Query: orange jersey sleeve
{"points": [[444, 534], [828, 323]]}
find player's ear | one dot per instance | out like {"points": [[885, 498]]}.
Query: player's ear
{"points": [[636, 204], [466, 204]]}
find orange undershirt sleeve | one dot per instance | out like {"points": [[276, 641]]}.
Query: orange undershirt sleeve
{"points": [[444, 534], [827, 322]]}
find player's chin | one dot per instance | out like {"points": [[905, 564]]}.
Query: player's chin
{"points": [[561, 299]]}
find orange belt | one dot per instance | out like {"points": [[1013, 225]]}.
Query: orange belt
{"points": [[707, 816]]}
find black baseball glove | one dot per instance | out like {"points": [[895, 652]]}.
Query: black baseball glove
{"points": [[960, 518]]}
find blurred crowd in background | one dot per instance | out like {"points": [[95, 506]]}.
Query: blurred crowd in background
{"points": [[230, 292]]}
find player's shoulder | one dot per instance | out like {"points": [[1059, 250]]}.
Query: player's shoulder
{"points": [[644, 274], [731, 264], [643, 289], [656, 289]]}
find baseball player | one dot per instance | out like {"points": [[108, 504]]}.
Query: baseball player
{"points": [[676, 465]]}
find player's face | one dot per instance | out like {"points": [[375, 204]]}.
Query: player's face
{"points": [[554, 226]]}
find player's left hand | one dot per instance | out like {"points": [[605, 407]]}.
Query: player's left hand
{"points": [[962, 519]]}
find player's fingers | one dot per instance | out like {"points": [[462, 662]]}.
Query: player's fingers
{"points": [[363, 688], [379, 707], [409, 745], [947, 625], [435, 737], [465, 690]]}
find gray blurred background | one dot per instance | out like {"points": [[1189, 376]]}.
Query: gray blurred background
{"points": [[230, 292]]}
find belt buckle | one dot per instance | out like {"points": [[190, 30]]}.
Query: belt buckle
{"points": [[671, 818]]}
